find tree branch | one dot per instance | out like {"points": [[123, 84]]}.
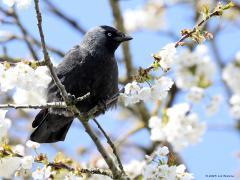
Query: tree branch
{"points": [[27, 106], [12, 13], [125, 46], [74, 24], [109, 141], [81, 170], [214, 13]]}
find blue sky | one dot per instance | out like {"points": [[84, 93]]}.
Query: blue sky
{"points": [[216, 153]]}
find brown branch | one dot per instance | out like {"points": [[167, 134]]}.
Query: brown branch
{"points": [[13, 61], [74, 24], [187, 35], [27, 106], [46, 56], [33, 41], [125, 46], [109, 141], [214, 13], [12, 13], [80, 170], [132, 131]]}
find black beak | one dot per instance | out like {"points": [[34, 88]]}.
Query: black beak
{"points": [[127, 38], [123, 37]]}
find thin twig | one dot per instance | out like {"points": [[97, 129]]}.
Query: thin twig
{"points": [[12, 13], [178, 43], [46, 56], [81, 170], [13, 61], [109, 141], [27, 106], [214, 13], [74, 24]]}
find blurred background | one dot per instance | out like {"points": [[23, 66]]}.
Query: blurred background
{"points": [[65, 22]]}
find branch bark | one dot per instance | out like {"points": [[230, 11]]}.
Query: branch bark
{"points": [[125, 46]]}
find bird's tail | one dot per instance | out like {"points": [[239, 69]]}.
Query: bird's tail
{"points": [[50, 127]]}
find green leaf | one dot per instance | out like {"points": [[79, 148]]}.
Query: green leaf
{"points": [[228, 5]]}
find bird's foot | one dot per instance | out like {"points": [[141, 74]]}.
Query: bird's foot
{"points": [[71, 98], [102, 105]]}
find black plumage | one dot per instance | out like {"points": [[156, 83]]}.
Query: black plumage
{"points": [[87, 67]]}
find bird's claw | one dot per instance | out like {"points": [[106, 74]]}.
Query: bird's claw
{"points": [[71, 98], [102, 106]]}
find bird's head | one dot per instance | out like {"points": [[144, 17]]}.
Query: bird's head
{"points": [[105, 38]]}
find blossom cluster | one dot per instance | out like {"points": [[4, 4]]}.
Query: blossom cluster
{"points": [[20, 164], [30, 83], [21, 4], [157, 167], [231, 75], [134, 93], [178, 126], [194, 69], [149, 17], [5, 124], [165, 57]]}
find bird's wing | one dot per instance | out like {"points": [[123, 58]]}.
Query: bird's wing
{"points": [[75, 74]]}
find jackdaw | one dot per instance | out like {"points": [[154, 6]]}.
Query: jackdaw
{"points": [[87, 67]]}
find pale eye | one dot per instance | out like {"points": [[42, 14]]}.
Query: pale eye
{"points": [[109, 34]]}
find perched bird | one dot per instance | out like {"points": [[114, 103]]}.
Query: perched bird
{"points": [[87, 67]]}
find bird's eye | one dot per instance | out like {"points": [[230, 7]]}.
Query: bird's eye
{"points": [[109, 34]]}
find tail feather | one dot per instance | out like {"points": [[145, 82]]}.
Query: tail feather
{"points": [[40, 117], [50, 127]]}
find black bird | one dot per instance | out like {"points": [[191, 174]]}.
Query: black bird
{"points": [[87, 67]]}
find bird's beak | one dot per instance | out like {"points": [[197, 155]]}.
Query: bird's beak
{"points": [[123, 37], [127, 38]]}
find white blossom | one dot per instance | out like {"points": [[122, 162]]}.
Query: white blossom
{"points": [[21, 4], [42, 77], [158, 169], [134, 168], [180, 127], [19, 149], [8, 165], [5, 124], [195, 94], [148, 171], [161, 87], [6, 79], [194, 69], [145, 93], [181, 174], [158, 91], [235, 106], [27, 162], [22, 96], [231, 74], [149, 17], [33, 145], [43, 173], [162, 151], [31, 83], [167, 55]]}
